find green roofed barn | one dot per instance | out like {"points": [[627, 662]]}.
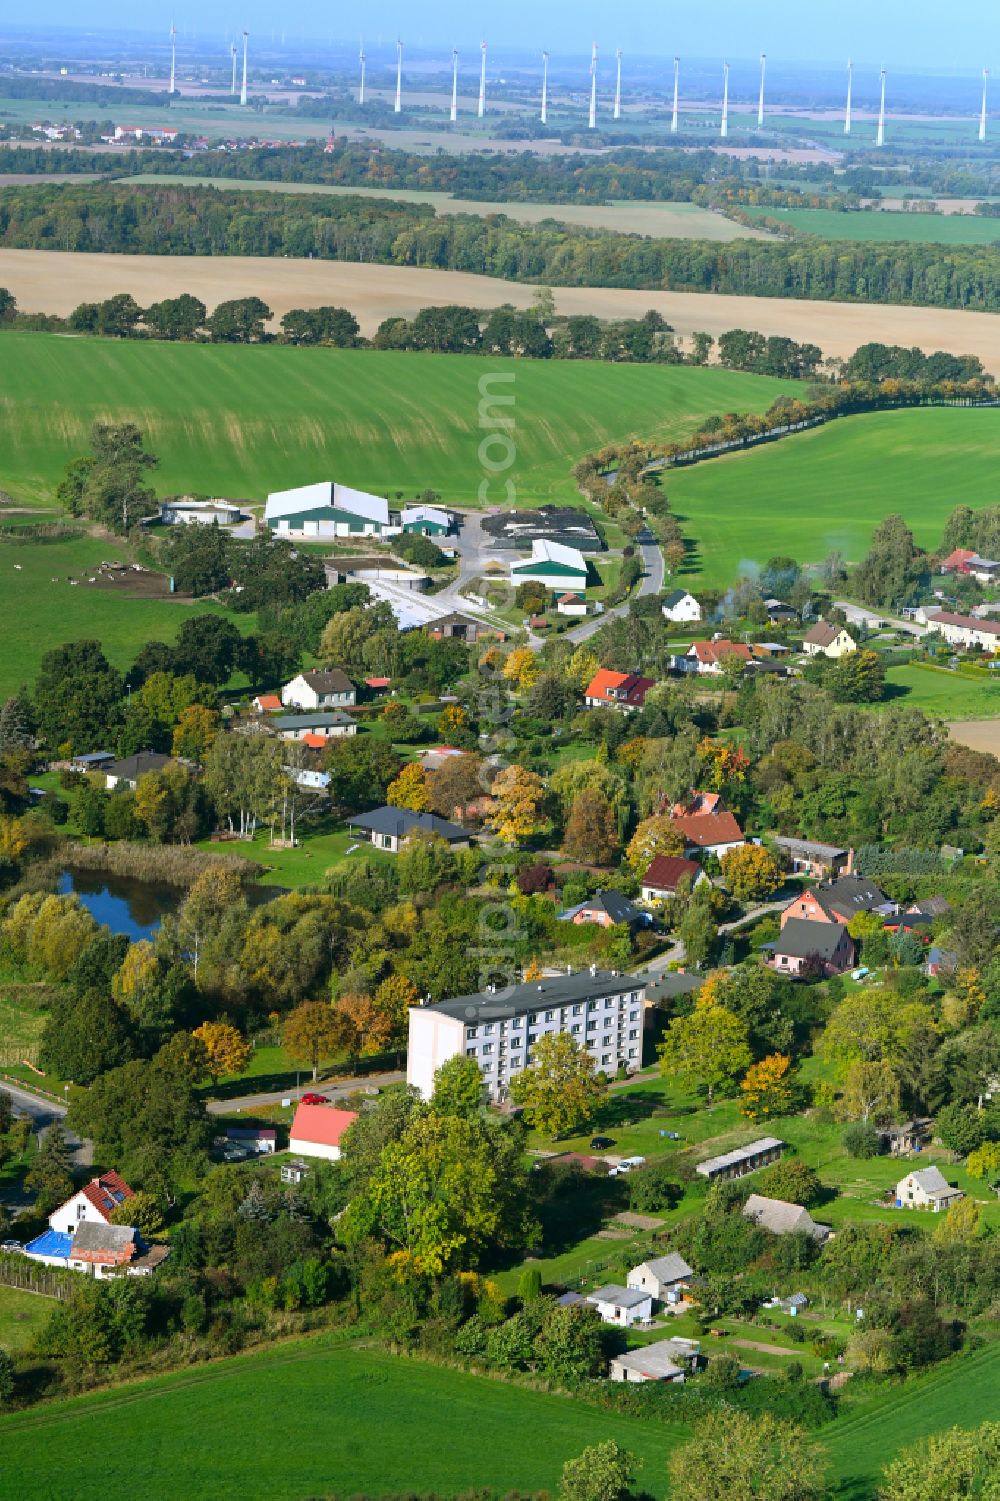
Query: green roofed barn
{"points": [[554, 564], [326, 510]]}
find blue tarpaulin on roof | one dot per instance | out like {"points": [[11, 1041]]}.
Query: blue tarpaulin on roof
{"points": [[52, 1243]]}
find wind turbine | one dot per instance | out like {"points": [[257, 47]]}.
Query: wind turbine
{"points": [[673, 117], [982, 116], [173, 58], [592, 122], [243, 90], [232, 50], [847, 111], [454, 84], [482, 81], [618, 86], [760, 102], [545, 88], [724, 129], [399, 77], [880, 137], [361, 87]]}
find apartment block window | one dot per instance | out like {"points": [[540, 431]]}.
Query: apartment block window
{"points": [[488, 1028], [472, 1032], [487, 1047], [550, 1016], [532, 1018], [608, 1003], [515, 1042], [633, 1035], [577, 1010], [605, 1057], [592, 1024], [518, 1021], [470, 1052], [575, 1028], [633, 1052], [633, 1016]]}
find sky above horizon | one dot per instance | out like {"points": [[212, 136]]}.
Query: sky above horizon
{"points": [[911, 34]]}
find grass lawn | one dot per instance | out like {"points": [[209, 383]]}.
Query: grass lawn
{"points": [[21, 1316], [40, 608], [827, 489], [313, 1417], [883, 226], [939, 691], [305, 865], [239, 422]]}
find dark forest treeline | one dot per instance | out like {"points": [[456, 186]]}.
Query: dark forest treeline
{"points": [[69, 91], [187, 221]]}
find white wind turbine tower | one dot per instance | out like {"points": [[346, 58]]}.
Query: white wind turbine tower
{"points": [[673, 117], [399, 77], [982, 115], [482, 81], [232, 52], [724, 130], [361, 86], [454, 84], [847, 111], [243, 90], [760, 102], [173, 58], [618, 85], [880, 137], [592, 122], [545, 88]]}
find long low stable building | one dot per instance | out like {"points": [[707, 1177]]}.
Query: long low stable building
{"points": [[603, 1011], [326, 509], [742, 1160]]}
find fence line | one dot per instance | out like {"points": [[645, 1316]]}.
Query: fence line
{"points": [[753, 440]]}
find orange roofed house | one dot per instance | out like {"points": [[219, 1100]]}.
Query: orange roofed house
{"points": [[617, 690], [708, 656], [317, 1131]]}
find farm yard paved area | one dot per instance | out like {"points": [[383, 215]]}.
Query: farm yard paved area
{"points": [[54, 281], [307, 1418]]}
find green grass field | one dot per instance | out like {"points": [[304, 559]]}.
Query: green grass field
{"points": [[827, 489], [963, 1393], [242, 421], [942, 693], [886, 226], [312, 1418], [21, 1316], [40, 608]]}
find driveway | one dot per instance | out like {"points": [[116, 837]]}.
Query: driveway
{"points": [[858, 615]]}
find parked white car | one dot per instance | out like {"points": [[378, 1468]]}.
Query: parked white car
{"points": [[625, 1166]]}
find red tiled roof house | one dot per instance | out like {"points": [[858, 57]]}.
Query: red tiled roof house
{"points": [[318, 1130]]}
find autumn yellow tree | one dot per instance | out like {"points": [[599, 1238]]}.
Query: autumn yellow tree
{"points": [[452, 720], [409, 790], [194, 732], [521, 668], [766, 1091], [750, 871], [228, 1050], [393, 998], [519, 809], [581, 667], [364, 1027], [311, 1033], [654, 836], [707, 1049]]}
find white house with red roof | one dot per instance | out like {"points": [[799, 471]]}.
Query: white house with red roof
{"points": [[318, 1130], [95, 1203], [709, 656]]}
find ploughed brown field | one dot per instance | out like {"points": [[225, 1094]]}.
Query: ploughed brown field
{"points": [[978, 734], [55, 281]]}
